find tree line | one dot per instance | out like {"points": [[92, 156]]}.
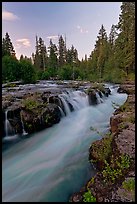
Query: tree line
{"points": [[112, 59]]}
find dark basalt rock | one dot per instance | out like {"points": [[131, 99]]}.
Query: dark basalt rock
{"points": [[38, 119], [92, 97]]}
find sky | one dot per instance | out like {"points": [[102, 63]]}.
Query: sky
{"points": [[78, 21]]}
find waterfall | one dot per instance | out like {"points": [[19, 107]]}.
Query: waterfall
{"points": [[61, 111], [23, 130], [77, 99], [65, 104], [99, 100], [8, 128], [6, 123]]}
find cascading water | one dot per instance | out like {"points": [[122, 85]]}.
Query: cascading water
{"points": [[8, 128], [53, 164], [77, 99], [23, 130], [61, 111]]}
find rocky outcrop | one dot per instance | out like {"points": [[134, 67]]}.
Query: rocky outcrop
{"points": [[94, 89], [38, 119], [115, 179]]}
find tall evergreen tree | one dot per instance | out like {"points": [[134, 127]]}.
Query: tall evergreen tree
{"points": [[7, 46], [126, 38], [41, 58], [53, 60], [113, 35], [100, 53], [61, 52]]}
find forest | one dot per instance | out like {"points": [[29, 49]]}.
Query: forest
{"points": [[112, 59]]}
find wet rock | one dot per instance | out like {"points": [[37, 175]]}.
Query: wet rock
{"points": [[127, 88], [77, 197], [107, 91], [40, 118], [92, 97]]}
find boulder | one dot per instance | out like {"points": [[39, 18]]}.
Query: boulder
{"points": [[92, 97], [40, 118]]}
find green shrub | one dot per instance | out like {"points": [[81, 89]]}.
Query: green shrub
{"points": [[116, 168], [104, 148], [88, 197], [30, 103], [129, 184]]}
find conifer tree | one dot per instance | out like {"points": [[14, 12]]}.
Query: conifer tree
{"points": [[53, 60], [7, 46], [61, 52], [126, 38]]}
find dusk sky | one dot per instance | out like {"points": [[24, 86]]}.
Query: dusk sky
{"points": [[79, 21]]}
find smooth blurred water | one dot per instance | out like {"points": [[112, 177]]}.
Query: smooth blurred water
{"points": [[53, 164]]}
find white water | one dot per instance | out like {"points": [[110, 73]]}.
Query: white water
{"points": [[23, 130], [8, 129], [53, 164]]}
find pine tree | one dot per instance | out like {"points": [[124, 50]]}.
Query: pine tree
{"points": [[21, 57], [100, 52], [113, 35], [53, 60], [126, 39], [42, 54], [41, 58], [62, 52], [7, 47]]}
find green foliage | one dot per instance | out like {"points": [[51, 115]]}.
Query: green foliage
{"points": [[90, 182], [65, 72], [125, 107], [112, 60], [43, 75], [30, 103], [104, 148], [88, 197], [131, 77], [28, 73], [116, 168], [129, 184], [11, 70], [7, 47]]}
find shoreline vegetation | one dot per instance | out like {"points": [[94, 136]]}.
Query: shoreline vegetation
{"points": [[114, 157]]}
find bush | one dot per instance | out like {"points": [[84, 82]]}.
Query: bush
{"points": [[28, 73], [116, 169], [88, 197], [129, 184], [11, 70]]}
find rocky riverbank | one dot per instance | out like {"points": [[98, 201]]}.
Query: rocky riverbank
{"points": [[34, 107], [114, 157]]}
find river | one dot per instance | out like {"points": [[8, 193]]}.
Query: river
{"points": [[53, 164]]}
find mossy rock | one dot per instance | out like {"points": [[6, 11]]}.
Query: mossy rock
{"points": [[100, 151]]}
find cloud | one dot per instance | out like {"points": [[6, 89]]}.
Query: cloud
{"points": [[23, 42], [81, 29], [52, 37], [8, 16], [78, 27]]}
